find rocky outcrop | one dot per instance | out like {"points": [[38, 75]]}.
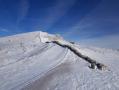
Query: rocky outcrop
{"points": [[93, 63]]}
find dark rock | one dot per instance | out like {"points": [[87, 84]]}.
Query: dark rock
{"points": [[93, 66]]}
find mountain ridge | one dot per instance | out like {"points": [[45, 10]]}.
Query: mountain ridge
{"points": [[27, 62]]}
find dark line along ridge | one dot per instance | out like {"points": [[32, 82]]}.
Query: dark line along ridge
{"points": [[93, 63]]}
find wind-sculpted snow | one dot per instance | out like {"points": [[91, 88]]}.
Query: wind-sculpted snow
{"points": [[28, 63]]}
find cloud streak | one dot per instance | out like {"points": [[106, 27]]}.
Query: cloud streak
{"points": [[56, 12], [109, 41], [23, 10], [3, 30], [103, 20]]}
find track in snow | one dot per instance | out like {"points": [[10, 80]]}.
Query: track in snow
{"points": [[27, 55], [24, 73], [33, 66]]}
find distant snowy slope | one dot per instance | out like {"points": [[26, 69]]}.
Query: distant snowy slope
{"points": [[36, 36], [28, 63]]}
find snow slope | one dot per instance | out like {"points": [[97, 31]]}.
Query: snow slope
{"points": [[28, 63]]}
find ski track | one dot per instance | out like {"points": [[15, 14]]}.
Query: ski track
{"points": [[28, 64], [32, 53], [6, 83], [61, 60], [77, 79]]}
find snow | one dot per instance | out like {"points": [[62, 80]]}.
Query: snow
{"points": [[28, 63]]}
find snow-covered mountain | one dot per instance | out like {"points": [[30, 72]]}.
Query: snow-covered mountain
{"points": [[31, 61]]}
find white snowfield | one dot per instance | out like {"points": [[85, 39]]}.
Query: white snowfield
{"points": [[28, 63]]}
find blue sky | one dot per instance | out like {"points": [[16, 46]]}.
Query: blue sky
{"points": [[85, 21]]}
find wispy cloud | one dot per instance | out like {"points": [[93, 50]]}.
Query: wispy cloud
{"points": [[109, 41], [3, 30], [102, 20], [23, 10], [56, 12]]}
